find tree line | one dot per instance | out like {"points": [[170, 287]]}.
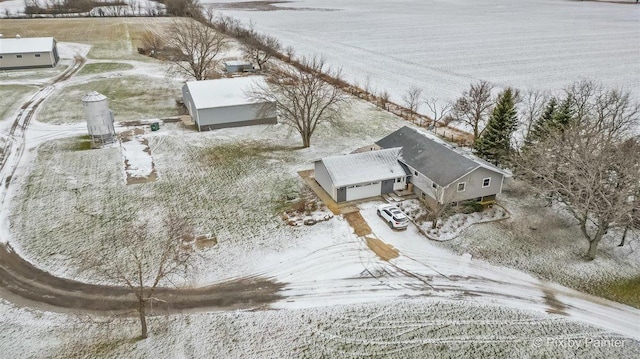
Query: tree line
{"points": [[580, 148]]}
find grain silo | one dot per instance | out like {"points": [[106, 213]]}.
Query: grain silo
{"points": [[99, 118]]}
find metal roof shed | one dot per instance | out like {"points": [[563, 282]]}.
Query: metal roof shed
{"points": [[24, 53], [238, 66], [225, 103]]}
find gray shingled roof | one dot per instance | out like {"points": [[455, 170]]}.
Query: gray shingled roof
{"points": [[432, 157], [371, 166]]}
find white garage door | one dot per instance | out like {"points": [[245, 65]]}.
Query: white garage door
{"points": [[363, 191]]}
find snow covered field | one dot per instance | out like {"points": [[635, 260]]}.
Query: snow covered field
{"points": [[442, 46], [340, 298], [398, 329]]}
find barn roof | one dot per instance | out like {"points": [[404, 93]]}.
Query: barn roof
{"points": [[224, 92], [26, 45], [364, 167], [433, 157]]}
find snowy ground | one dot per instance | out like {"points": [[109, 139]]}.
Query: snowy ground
{"points": [[547, 242], [232, 183], [398, 329], [450, 225], [442, 46]]}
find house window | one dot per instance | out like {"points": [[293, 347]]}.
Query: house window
{"points": [[434, 185], [415, 173], [398, 180], [0, 56], [37, 55], [486, 182], [19, 56], [462, 186]]}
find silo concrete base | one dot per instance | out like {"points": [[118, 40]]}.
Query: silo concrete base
{"points": [[100, 141]]}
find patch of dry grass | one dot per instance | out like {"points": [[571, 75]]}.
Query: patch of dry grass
{"points": [[10, 96], [130, 98], [82, 29]]}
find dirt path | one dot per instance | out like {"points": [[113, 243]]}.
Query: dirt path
{"points": [[361, 228], [25, 285], [383, 250]]}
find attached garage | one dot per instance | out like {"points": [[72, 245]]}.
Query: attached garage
{"points": [[224, 103], [361, 175], [363, 190]]}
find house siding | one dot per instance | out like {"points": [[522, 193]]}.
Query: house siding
{"points": [[188, 102], [420, 182], [28, 60], [423, 186], [473, 188], [322, 177], [397, 186]]}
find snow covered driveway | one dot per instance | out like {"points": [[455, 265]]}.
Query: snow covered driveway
{"points": [[452, 275], [348, 272]]}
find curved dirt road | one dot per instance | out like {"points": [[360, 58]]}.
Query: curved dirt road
{"points": [[21, 280], [24, 284]]}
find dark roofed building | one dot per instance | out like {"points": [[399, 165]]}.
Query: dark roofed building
{"points": [[442, 173]]}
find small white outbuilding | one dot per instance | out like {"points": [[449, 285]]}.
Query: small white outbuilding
{"points": [[232, 66], [30, 52], [224, 103]]}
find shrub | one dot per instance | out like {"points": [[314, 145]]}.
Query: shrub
{"points": [[471, 207]]}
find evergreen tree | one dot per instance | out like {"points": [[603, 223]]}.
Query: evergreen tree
{"points": [[556, 117], [563, 116], [540, 128], [494, 144]]}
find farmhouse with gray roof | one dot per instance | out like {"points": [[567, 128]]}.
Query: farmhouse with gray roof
{"points": [[410, 159], [439, 172]]}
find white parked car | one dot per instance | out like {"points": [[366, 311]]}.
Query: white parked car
{"points": [[394, 217]]}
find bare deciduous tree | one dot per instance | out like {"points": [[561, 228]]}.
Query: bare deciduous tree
{"points": [[151, 41], [185, 8], [259, 48], [438, 110], [383, 99], [592, 165], [412, 99], [532, 108], [141, 259], [474, 106], [199, 44], [302, 97], [290, 52], [444, 197]]}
